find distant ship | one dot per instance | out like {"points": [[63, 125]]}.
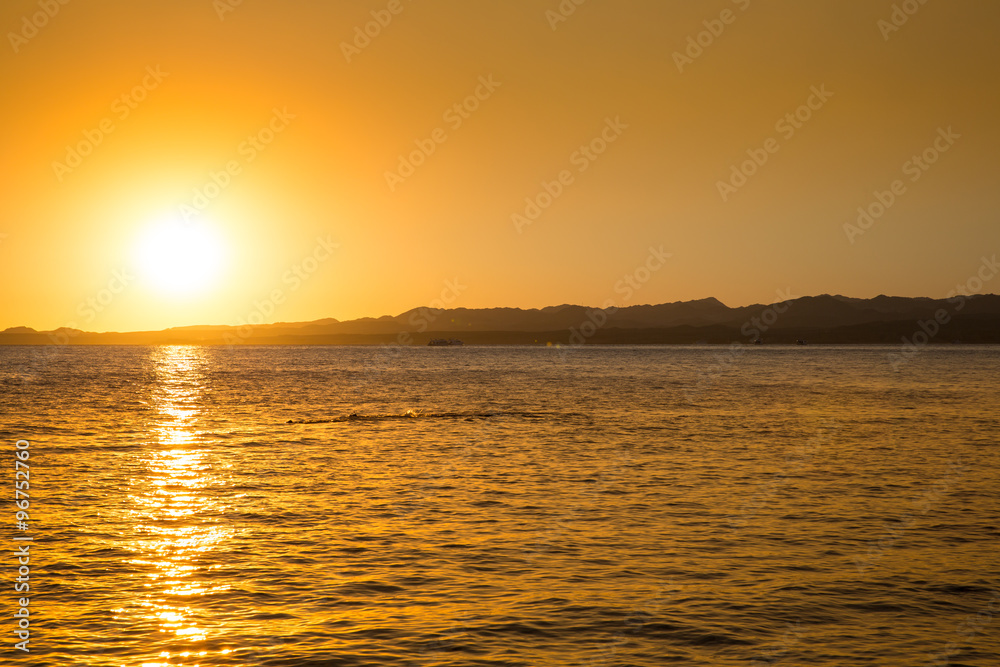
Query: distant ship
{"points": [[443, 342]]}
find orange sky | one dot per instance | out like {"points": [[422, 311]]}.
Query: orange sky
{"points": [[634, 129]]}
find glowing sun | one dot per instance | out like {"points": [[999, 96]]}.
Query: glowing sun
{"points": [[180, 258]]}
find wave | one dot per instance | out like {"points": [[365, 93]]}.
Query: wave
{"points": [[468, 416]]}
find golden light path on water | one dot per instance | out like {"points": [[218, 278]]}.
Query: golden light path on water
{"points": [[246, 507], [170, 509]]}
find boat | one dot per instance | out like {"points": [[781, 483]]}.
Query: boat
{"points": [[444, 342]]}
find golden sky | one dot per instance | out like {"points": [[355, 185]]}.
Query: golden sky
{"points": [[195, 161]]}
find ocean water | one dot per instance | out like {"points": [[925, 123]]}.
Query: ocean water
{"points": [[599, 506]]}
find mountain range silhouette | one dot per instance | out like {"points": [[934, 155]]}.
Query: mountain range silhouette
{"points": [[812, 319]]}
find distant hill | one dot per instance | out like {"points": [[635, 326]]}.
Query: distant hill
{"points": [[814, 319]]}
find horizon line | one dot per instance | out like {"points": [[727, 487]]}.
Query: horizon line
{"points": [[446, 308]]}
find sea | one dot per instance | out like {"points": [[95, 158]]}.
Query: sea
{"points": [[485, 506]]}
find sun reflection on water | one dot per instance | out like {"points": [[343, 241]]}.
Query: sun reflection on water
{"points": [[176, 514]]}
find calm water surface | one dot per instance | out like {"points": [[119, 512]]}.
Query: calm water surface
{"points": [[506, 506]]}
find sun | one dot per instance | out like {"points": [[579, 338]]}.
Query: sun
{"points": [[180, 258]]}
